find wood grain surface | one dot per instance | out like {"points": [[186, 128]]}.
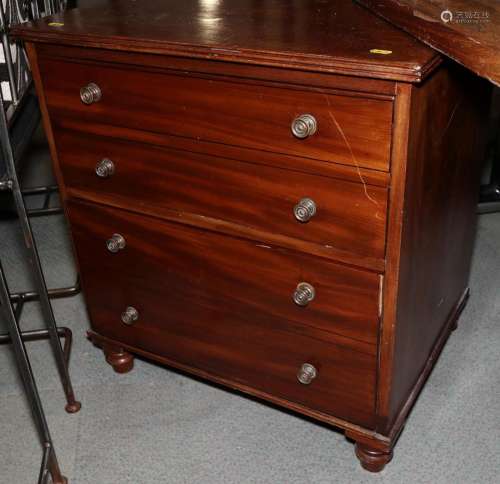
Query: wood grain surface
{"points": [[317, 35], [197, 117], [212, 269], [468, 31], [350, 217], [352, 131], [445, 142], [225, 306]]}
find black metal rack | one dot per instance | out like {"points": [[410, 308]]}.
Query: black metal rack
{"points": [[11, 309]]}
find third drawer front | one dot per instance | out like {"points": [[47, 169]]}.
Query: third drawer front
{"points": [[225, 306], [261, 278], [343, 217]]}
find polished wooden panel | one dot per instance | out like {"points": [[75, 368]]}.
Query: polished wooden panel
{"points": [[112, 347], [437, 233], [279, 160], [266, 359], [209, 268], [395, 222], [305, 80], [212, 308], [352, 131], [342, 394], [350, 216], [314, 35], [235, 230], [471, 35]]}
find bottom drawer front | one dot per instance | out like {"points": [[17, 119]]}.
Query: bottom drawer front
{"points": [[233, 347], [186, 322]]}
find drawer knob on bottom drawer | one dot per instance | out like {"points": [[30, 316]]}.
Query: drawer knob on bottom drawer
{"points": [[105, 168], [304, 125], [304, 294], [130, 315], [90, 94], [115, 243], [307, 374], [304, 210]]}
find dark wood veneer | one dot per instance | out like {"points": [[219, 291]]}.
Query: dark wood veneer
{"points": [[214, 270], [352, 131], [287, 162], [470, 36], [350, 216], [226, 306], [335, 37], [234, 71], [240, 231], [439, 216], [203, 192]]}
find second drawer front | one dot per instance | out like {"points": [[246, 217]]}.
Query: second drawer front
{"points": [[349, 217], [225, 306]]}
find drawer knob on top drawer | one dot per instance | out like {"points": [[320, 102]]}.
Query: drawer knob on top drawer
{"points": [[304, 125], [307, 373], [90, 94], [130, 316], [105, 168], [303, 294], [304, 210], [115, 243]]}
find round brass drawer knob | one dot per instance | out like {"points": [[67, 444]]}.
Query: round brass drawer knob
{"points": [[304, 126], [303, 294], [105, 168], [130, 316], [307, 373], [90, 94], [115, 243], [304, 210]]}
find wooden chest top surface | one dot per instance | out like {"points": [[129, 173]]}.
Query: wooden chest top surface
{"points": [[322, 35]]}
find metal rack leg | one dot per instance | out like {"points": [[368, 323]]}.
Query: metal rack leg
{"points": [[34, 259], [49, 462]]}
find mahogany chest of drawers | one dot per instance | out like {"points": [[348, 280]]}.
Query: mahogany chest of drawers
{"points": [[277, 198]]}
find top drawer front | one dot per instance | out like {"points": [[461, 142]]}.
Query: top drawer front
{"points": [[350, 130]]}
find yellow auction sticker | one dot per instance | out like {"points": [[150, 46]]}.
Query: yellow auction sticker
{"points": [[381, 51], [55, 24]]}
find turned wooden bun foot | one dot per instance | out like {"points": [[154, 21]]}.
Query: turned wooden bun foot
{"points": [[119, 359], [373, 460]]}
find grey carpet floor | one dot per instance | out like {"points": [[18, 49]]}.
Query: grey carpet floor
{"points": [[155, 425]]}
